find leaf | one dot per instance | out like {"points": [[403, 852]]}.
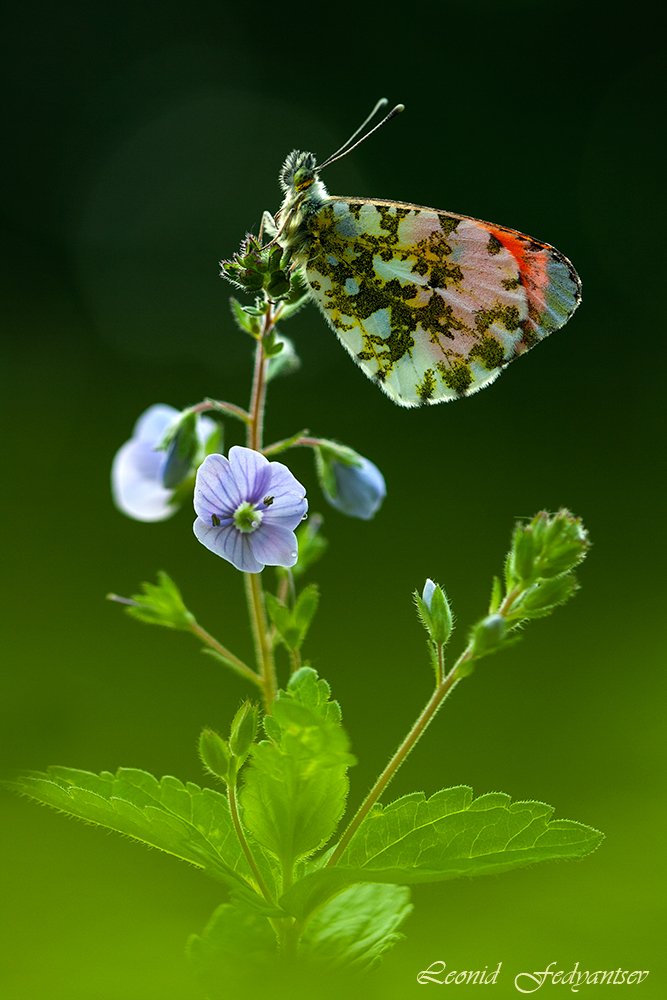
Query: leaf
{"points": [[296, 784], [416, 839], [233, 945], [159, 603], [292, 624], [357, 927], [190, 822]]}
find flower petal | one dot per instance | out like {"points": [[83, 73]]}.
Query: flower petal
{"points": [[274, 545], [136, 482], [360, 489], [153, 422], [229, 543], [289, 497], [216, 491], [252, 472]]}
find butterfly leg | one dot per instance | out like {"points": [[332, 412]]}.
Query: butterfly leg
{"points": [[268, 226]]}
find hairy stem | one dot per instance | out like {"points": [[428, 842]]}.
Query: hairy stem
{"points": [[234, 662], [260, 630], [424, 719], [253, 584], [245, 846], [221, 406]]}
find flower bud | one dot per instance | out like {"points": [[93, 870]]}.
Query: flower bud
{"points": [[350, 483], [488, 635], [435, 612], [244, 730], [215, 754], [181, 452]]}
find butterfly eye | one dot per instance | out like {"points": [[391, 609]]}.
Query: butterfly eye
{"points": [[303, 178]]}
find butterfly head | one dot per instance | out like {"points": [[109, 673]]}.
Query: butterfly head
{"points": [[299, 172]]}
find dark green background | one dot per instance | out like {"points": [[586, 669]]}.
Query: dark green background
{"points": [[143, 141]]}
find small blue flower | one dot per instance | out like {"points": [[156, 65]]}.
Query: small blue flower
{"points": [[143, 478], [428, 591], [358, 490], [247, 509]]}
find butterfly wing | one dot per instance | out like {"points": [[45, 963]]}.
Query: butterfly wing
{"points": [[432, 305]]}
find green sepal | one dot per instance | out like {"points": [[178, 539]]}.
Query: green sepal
{"points": [[243, 731], [496, 595], [158, 604], [216, 756], [542, 597], [182, 446], [435, 612], [245, 320]]}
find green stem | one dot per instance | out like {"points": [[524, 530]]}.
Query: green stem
{"points": [[441, 664], [425, 717], [300, 440], [253, 584], [220, 406], [245, 846], [234, 662], [260, 630]]}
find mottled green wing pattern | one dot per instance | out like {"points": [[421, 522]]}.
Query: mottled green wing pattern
{"points": [[431, 305]]}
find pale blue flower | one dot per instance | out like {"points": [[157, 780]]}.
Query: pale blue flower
{"points": [[142, 478], [247, 509], [358, 489]]}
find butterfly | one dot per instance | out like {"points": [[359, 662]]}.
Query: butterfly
{"points": [[431, 305]]}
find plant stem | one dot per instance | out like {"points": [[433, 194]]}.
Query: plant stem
{"points": [[221, 406], [441, 664], [234, 662], [245, 846], [263, 647], [258, 393], [300, 440], [425, 717], [444, 687], [253, 584]]}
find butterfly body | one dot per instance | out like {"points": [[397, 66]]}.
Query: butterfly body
{"points": [[431, 305]]}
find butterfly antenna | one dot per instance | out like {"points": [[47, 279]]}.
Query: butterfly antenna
{"points": [[347, 148]]}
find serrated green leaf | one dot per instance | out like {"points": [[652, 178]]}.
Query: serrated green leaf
{"points": [[295, 785], [184, 820], [233, 945], [309, 689], [158, 603], [355, 928], [416, 839]]}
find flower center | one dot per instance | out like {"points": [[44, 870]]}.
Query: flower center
{"points": [[247, 518]]}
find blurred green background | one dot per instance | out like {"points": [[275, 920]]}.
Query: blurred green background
{"points": [[143, 142]]}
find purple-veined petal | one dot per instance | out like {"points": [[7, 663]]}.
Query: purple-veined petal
{"points": [[252, 472], [274, 545], [216, 491], [230, 544]]}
